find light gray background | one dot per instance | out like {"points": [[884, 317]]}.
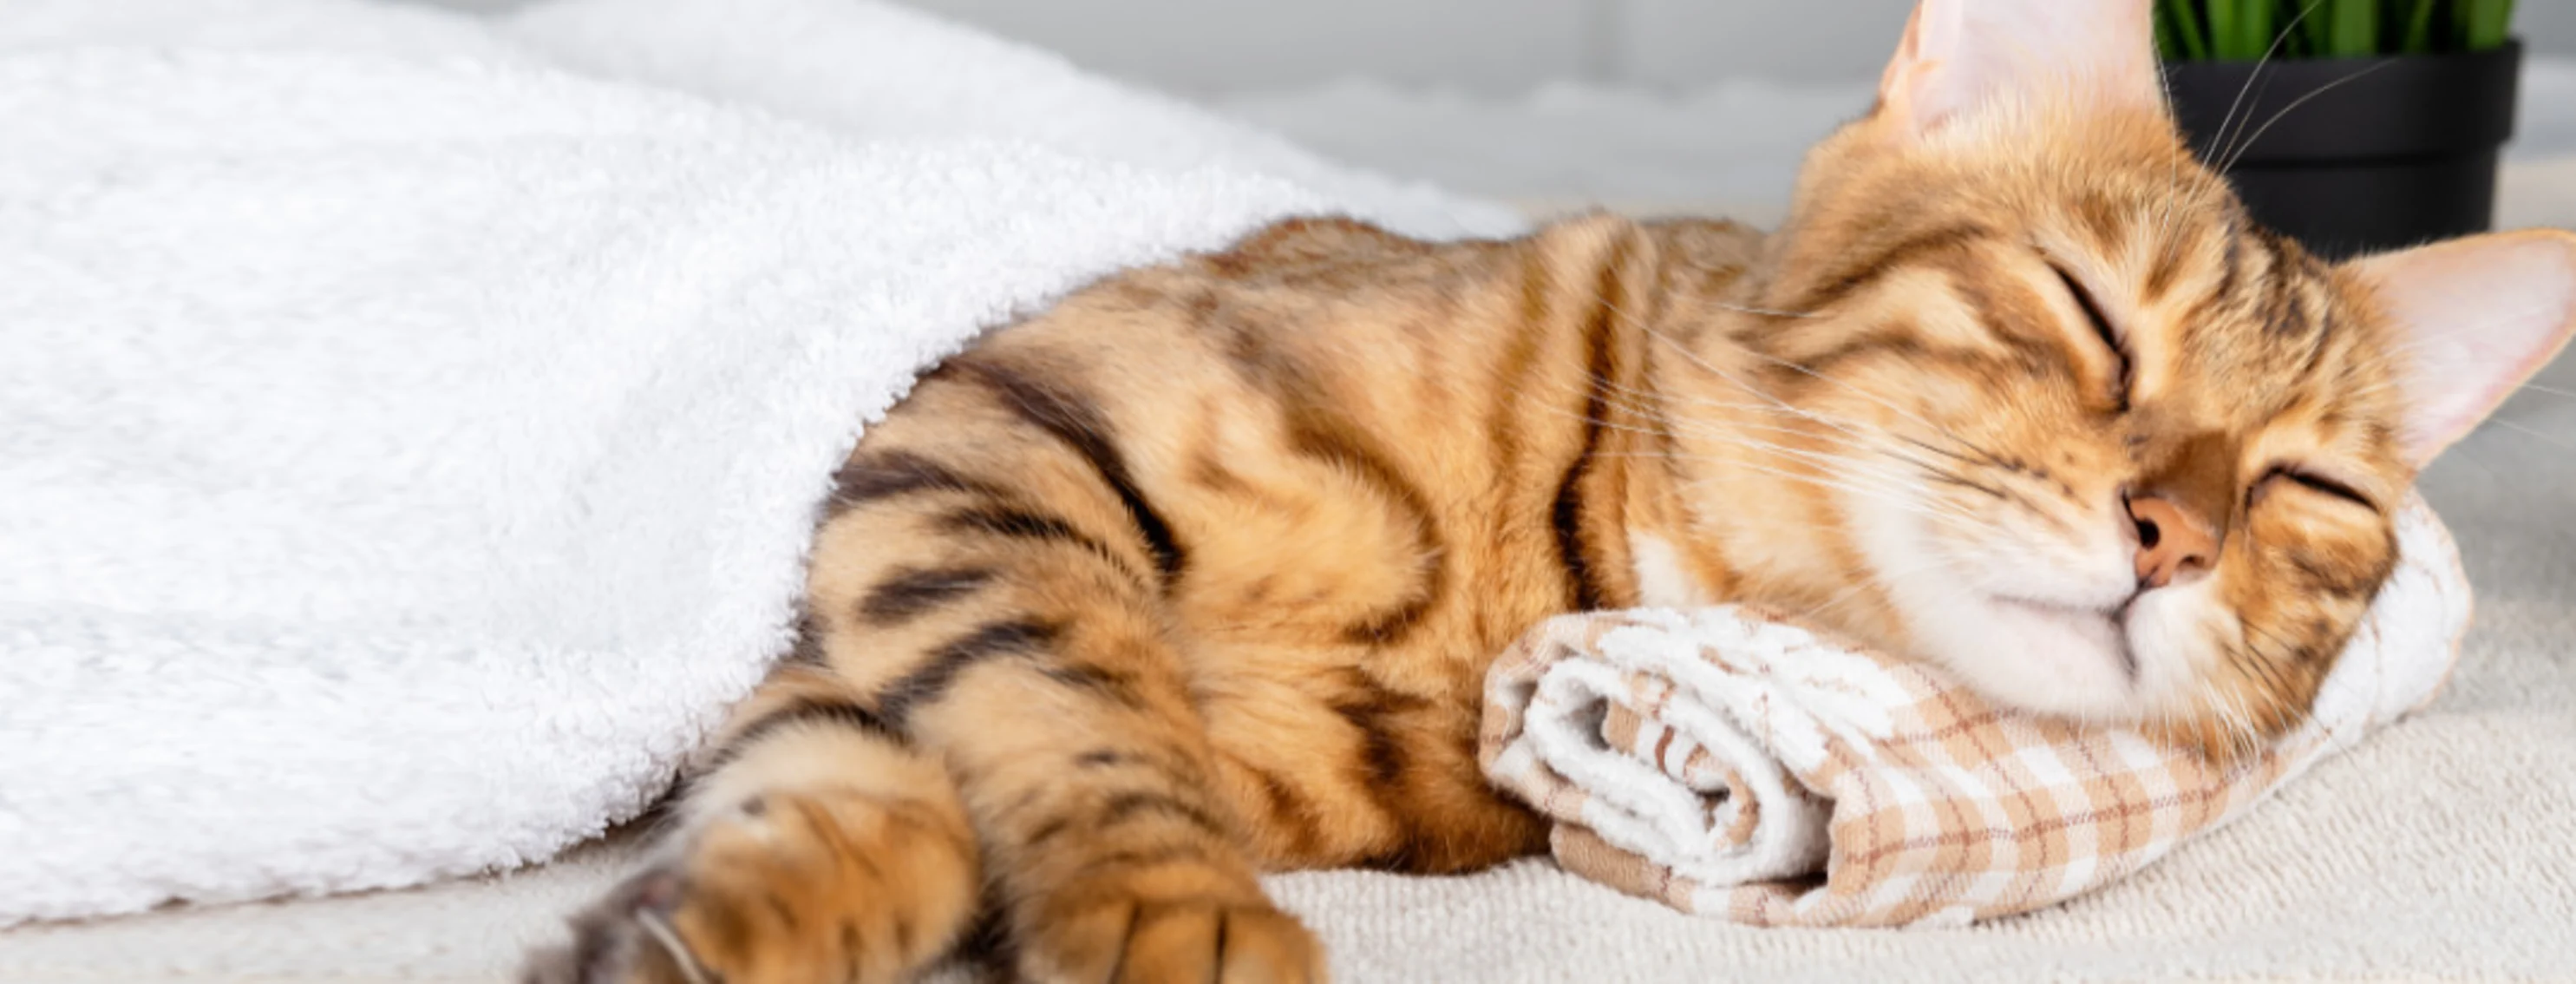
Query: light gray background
{"points": [[1486, 46]]}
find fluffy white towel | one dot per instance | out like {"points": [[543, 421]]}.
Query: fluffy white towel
{"points": [[409, 448]]}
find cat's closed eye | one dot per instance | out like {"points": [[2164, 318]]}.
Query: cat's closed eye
{"points": [[2309, 480]]}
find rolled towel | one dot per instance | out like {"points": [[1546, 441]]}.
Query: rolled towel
{"points": [[1729, 763]]}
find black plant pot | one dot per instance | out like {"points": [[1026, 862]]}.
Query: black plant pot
{"points": [[2354, 155]]}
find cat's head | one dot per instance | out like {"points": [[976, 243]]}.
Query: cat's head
{"points": [[2106, 447]]}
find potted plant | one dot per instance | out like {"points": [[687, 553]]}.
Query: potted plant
{"points": [[2351, 125]]}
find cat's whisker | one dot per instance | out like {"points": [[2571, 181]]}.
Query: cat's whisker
{"points": [[2535, 434], [2233, 148], [1932, 469], [1730, 435], [2173, 172], [2551, 390], [1896, 498], [2266, 665], [2295, 104], [2236, 719], [1611, 392], [1902, 413], [1848, 468], [2219, 139], [1847, 430], [1765, 312], [2467, 452], [1937, 565], [1876, 481], [2221, 144], [1782, 405], [1695, 359]]}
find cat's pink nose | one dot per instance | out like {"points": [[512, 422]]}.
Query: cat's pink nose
{"points": [[2171, 541]]}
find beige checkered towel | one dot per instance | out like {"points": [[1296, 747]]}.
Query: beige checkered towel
{"points": [[1732, 765]]}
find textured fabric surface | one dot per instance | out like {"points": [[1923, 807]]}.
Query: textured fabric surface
{"points": [[1719, 760], [408, 457]]}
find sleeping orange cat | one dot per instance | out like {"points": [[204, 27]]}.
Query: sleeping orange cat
{"points": [[1197, 574]]}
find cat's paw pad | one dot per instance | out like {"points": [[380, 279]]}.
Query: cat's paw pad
{"points": [[786, 889], [1139, 941]]}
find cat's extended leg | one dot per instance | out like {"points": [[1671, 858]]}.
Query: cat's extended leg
{"points": [[817, 848], [987, 602], [1005, 550]]}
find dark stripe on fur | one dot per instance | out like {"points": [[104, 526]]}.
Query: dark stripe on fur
{"points": [[1503, 424], [1102, 758], [1315, 434], [895, 473], [1129, 805], [1290, 810], [2012, 318], [848, 714], [2232, 260], [2104, 221], [1566, 514], [1140, 857], [1380, 753], [911, 591], [1326, 440], [1830, 290], [1116, 685], [1080, 424], [807, 649], [1053, 828], [1315, 430], [1022, 524], [2285, 316], [1898, 340], [2169, 257], [930, 682], [1370, 709]]}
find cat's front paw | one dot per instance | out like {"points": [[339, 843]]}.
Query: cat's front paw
{"points": [[789, 889], [1130, 940]]}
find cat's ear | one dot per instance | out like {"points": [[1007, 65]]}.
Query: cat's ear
{"points": [[2474, 318], [1959, 54]]}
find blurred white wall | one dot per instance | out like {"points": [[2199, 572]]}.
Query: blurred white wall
{"points": [[1491, 46], [1483, 45]]}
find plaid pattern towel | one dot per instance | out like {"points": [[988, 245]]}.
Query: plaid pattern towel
{"points": [[1729, 764]]}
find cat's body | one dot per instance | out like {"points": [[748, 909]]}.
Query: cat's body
{"points": [[1249, 601], [1317, 522], [1198, 572]]}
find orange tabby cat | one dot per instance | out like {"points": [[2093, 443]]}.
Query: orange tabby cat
{"points": [[1197, 574]]}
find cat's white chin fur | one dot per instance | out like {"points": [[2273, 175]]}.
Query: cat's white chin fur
{"points": [[2075, 656]]}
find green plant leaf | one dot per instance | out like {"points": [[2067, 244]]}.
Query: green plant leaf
{"points": [[2316, 30], [2225, 21], [2187, 30], [2490, 22], [2418, 38], [2355, 28], [2256, 36]]}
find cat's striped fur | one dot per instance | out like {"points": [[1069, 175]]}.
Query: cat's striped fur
{"points": [[1197, 573]]}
